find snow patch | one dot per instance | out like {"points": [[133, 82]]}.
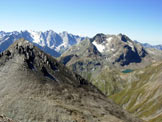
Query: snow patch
{"points": [[108, 44], [36, 36], [99, 47], [109, 39], [112, 49], [131, 45], [63, 45]]}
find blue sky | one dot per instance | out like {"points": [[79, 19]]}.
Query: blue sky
{"points": [[139, 19]]}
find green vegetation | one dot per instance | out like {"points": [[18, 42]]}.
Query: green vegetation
{"points": [[143, 95], [109, 82], [137, 91]]}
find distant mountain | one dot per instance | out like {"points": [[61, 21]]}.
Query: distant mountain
{"points": [[159, 47], [119, 49], [96, 59], [105, 50], [147, 45], [36, 87], [49, 41]]}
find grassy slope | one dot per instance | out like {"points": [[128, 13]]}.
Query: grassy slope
{"points": [[138, 91], [143, 95], [109, 81]]}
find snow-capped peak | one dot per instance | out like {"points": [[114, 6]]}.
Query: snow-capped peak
{"points": [[48, 39]]}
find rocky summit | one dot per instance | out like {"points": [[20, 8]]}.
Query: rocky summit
{"points": [[35, 87]]}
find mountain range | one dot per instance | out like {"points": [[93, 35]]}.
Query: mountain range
{"points": [[49, 41], [114, 51], [112, 66], [147, 45], [36, 87]]}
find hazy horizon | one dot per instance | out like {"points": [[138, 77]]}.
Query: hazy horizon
{"points": [[139, 19]]}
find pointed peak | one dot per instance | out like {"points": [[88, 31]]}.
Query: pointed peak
{"points": [[120, 34], [99, 35], [50, 30], [99, 38], [32, 56], [21, 46], [65, 32], [21, 42], [123, 37]]}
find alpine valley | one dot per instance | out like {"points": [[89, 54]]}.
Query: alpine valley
{"points": [[49, 76], [122, 69]]}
